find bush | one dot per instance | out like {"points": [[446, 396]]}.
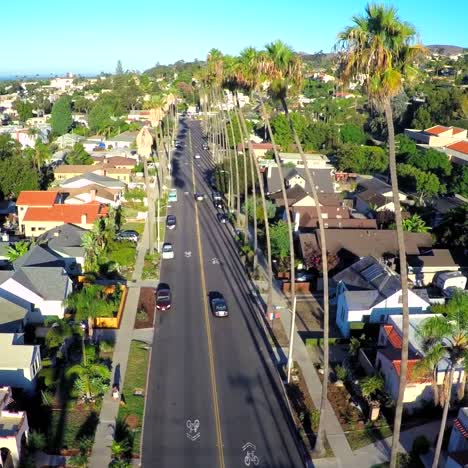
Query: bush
{"points": [[106, 346], [319, 341], [341, 372], [421, 445]]}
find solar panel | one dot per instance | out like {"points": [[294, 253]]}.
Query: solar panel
{"points": [[373, 272]]}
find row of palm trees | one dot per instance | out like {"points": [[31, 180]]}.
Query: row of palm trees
{"points": [[379, 49]]}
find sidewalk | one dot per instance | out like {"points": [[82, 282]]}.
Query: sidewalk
{"points": [[101, 452]]}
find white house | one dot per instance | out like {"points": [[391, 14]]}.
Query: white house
{"points": [[13, 427], [368, 292], [419, 388], [19, 363], [458, 443]]}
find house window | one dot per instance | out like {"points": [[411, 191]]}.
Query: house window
{"points": [[41, 228], [22, 208], [33, 229]]}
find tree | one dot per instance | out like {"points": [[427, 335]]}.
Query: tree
{"points": [[362, 159], [8, 147], [40, 154], [119, 68], [431, 160], [453, 230], [282, 132], [24, 109], [16, 175], [459, 182], [91, 378], [425, 184], [445, 337], [280, 240], [380, 47], [59, 332], [415, 224], [352, 133], [100, 117], [405, 147], [17, 250], [61, 118], [249, 207], [78, 155], [371, 385]]}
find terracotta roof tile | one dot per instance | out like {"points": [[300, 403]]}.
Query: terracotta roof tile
{"points": [[393, 336], [436, 130], [456, 130], [36, 198], [410, 375], [460, 146], [67, 213]]}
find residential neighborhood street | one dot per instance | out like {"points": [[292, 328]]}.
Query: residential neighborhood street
{"points": [[214, 397]]}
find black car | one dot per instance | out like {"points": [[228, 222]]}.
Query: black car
{"points": [[216, 196], [218, 304], [222, 218], [171, 221], [219, 204], [128, 235], [163, 297]]}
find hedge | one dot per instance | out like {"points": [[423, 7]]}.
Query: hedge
{"points": [[319, 341]]}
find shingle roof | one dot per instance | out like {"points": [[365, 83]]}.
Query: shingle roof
{"points": [[104, 181], [66, 235], [15, 356], [36, 198], [37, 256], [11, 316], [67, 213], [50, 283], [434, 258], [322, 177]]}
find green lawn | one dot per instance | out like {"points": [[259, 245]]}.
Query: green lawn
{"points": [[138, 227], [135, 377], [371, 433], [150, 267]]}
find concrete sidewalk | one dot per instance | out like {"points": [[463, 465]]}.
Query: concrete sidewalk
{"points": [[101, 452]]}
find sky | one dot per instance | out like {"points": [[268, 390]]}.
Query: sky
{"points": [[89, 36]]}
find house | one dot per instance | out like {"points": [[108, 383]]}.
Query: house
{"points": [[88, 194], [458, 152], [119, 162], [314, 160], [437, 136], [68, 171], [423, 268], [418, 388], [458, 444], [34, 198], [13, 317], [90, 178], [368, 292], [65, 242], [259, 149], [68, 140], [27, 139], [19, 363], [62, 84], [38, 220], [91, 143], [14, 427], [352, 244], [123, 140], [38, 283], [138, 116], [375, 195], [296, 176]]}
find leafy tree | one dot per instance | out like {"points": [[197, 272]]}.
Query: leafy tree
{"points": [[459, 181], [100, 117], [318, 135], [362, 159], [17, 250], [282, 131], [81, 104], [78, 155], [405, 147], [352, 133], [423, 183], [415, 224], [36, 441], [453, 230], [40, 154], [445, 338], [17, 174], [8, 147], [431, 160], [24, 109], [280, 241], [92, 378], [61, 118], [249, 207], [119, 68]]}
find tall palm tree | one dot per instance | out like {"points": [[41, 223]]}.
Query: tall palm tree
{"points": [[380, 48], [86, 371], [284, 70], [445, 338]]}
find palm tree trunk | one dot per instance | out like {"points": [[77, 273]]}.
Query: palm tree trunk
{"points": [[319, 443], [267, 224], [236, 163], [254, 200], [404, 285], [150, 201], [290, 230], [443, 423]]}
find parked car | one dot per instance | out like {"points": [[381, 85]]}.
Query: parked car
{"points": [[219, 204], [167, 251], [171, 221], [128, 235], [199, 196], [218, 304], [205, 147], [172, 197], [163, 297], [216, 196], [222, 218], [197, 156]]}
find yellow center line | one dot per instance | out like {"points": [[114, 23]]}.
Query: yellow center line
{"points": [[214, 391]]}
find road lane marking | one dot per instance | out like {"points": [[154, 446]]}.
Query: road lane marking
{"points": [[214, 390]]}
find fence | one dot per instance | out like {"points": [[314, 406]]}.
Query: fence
{"points": [[113, 322]]}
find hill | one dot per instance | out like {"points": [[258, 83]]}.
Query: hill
{"points": [[446, 49]]}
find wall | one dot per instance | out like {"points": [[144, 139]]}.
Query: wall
{"points": [[113, 322], [13, 443], [425, 275]]}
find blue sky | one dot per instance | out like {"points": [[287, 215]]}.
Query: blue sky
{"points": [[89, 36]]}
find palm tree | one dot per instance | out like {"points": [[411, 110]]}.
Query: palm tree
{"points": [[415, 224], [283, 69], [379, 47], [17, 250], [445, 338], [86, 372]]}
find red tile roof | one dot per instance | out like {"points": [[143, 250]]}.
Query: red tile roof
{"points": [[436, 129], [456, 130], [460, 146], [67, 213], [36, 198], [393, 336], [411, 377]]}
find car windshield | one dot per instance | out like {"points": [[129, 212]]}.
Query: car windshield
{"points": [[220, 304], [163, 296], [167, 248]]}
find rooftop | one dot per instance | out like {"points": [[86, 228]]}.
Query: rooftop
{"points": [[67, 213], [460, 146], [15, 356], [36, 198], [103, 181], [322, 178]]}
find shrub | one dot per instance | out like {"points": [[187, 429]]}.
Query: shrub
{"points": [[319, 341], [421, 445], [141, 315], [341, 372], [106, 346]]}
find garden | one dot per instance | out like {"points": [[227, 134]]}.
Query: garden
{"points": [[146, 308]]}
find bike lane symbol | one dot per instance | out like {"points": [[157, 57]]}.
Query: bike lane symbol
{"points": [[249, 454], [193, 434]]}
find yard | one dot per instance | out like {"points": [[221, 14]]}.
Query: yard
{"points": [[133, 392], [150, 267], [146, 308], [134, 226]]}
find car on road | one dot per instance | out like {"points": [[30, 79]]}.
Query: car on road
{"points": [[171, 221], [222, 218], [197, 156], [172, 197], [199, 196], [167, 251], [218, 304], [163, 297], [219, 204], [127, 235], [216, 196], [205, 147]]}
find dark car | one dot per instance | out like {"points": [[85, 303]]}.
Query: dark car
{"points": [[171, 221], [216, 196], [218, 304], [222, 218], [163, 297], [128, 235], [303, 276], [219, 204], [199, 196], [205, 146]]}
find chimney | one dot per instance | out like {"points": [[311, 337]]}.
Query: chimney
{"points": [[93, 194], [84, 219], [57, 233]]}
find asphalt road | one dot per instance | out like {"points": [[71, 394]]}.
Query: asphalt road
{"points": [[214, 397]]}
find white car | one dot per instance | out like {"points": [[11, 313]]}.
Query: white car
{"points": [[167, 251], [197, 156]]}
